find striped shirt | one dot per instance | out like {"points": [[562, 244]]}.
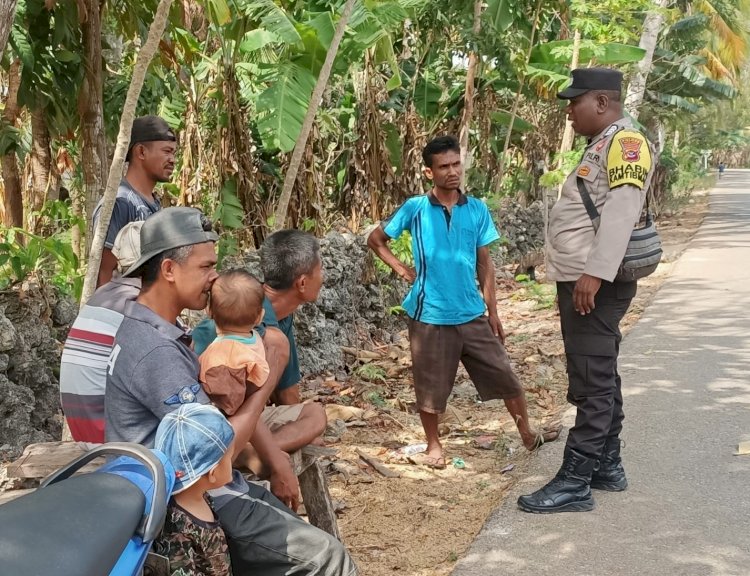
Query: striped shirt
{"points": [[83, 369]]}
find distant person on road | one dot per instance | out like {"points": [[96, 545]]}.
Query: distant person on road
{"points": [[615, 171], [722, 167], [150, 160], [450, 320]]}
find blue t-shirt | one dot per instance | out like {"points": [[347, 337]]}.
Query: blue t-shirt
{"points": [[445, 246], [205, 333]]}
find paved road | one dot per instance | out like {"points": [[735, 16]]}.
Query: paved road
{"points": [[686, 374]]}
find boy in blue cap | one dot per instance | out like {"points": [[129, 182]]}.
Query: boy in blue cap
{"points": [[198, 440]]}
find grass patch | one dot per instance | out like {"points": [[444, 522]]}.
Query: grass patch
{"points": [[542, 294], [518, 338]]}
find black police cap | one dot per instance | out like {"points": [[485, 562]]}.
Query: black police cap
{"points": [[586, 79]]}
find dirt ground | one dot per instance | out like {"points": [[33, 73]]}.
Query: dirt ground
{"points": [[422, 521]]}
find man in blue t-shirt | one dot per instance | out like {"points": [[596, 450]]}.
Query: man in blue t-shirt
{"points": [[293, 274], [451, 234]]}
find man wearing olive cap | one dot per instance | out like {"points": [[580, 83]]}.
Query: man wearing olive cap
{"points": [[152, 371], [150, 161], [583, 257]]}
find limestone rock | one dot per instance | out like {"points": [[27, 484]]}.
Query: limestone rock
{"points": [[30, 398], [7, 334]]}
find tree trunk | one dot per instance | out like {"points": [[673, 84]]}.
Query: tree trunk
{"points": [[7, 14], [514, 108], [471, 73], [652, 26], [566, 145], [91, 116], [155, 32], [299, 146], [44, 175], [12, 195]]}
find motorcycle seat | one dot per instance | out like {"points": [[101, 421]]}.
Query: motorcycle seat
{"points": [[78, 527]]}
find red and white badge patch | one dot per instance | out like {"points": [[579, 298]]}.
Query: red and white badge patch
{"points": [[628, 160], [631, 149]]}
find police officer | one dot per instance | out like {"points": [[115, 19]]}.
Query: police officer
{"points": [[583, 257]]}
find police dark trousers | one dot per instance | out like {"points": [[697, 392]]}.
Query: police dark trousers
{"points": [[592, 343], [265, 537]]}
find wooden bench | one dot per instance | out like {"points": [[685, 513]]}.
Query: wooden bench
{"points": [[40, 460]]}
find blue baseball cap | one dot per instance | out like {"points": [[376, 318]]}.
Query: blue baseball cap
{"points": [[194, 438]]}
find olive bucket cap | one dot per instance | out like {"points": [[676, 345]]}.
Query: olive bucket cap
{"points": [[169, 229]]}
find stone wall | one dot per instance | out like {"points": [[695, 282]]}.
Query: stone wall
{"points": [[33, 323], [522, 229]]}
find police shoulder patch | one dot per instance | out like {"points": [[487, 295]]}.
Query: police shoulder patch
{"points": [[611, 130], [628, 159], [185, 395]]}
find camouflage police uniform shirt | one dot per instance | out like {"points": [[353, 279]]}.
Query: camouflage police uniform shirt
{"points": [[616, 169], [194, 547]]}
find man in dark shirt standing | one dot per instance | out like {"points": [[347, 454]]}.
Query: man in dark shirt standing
{"points": [[150, 161]]}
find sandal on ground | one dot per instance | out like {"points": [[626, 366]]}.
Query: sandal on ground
{"points": [[428, 461], [547, 435]]}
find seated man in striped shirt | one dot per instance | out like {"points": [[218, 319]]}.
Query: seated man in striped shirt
{"points": [[83, 375]]}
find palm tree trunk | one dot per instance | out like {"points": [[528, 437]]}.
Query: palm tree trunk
{"points": [[44, 176], [471, 72], [7, 13], [299, 147], [91, 116], [652, 26], [12, 195], [155, 32]]}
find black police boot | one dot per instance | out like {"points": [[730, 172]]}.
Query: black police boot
{"points": [[611, 475], [568, 491]]}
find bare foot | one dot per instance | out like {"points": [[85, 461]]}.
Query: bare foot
{"points": [[537, 439], [424, 459]]}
